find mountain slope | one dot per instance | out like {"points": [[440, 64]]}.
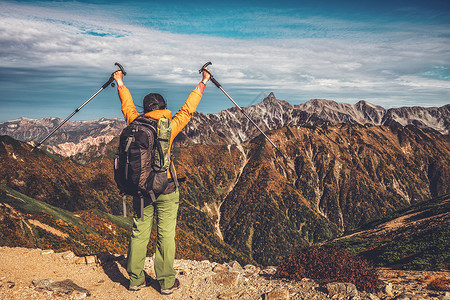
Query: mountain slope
{"points": [[336, 178], [413, 238], [27, 222], [61, 182]]}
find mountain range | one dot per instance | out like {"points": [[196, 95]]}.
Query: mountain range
{"points": [[230, 126], [340, 170], [334, 179]]}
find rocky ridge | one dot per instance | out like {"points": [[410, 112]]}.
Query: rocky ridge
{"points": [[72, 138], [230, 126], [44, 274]]}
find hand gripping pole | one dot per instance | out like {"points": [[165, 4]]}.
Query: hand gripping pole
{"points": [[234, 102], [110, 81]]}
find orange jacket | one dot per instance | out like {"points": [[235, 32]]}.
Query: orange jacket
{"points": [[179, 120]]}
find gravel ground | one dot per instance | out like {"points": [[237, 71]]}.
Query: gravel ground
{"points": [[27, 273]]}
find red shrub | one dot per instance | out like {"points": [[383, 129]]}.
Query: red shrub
{"points": [[439, 284], [330, 264]]}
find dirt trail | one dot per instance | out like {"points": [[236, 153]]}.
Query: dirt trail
{"points": [[19, 266]]}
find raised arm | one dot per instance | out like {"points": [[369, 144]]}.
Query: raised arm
{"points": [[128, 108], [182, 117]]}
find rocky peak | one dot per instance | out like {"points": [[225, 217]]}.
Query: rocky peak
{"points": [[272, 101], [271, 97]]}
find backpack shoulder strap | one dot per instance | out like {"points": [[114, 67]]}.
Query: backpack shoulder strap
{"points": [[172, 172]]}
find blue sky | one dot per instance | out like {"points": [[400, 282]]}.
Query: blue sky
{"points": [[56, 54]]}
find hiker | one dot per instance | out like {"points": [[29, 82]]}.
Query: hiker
{"points": [[166, 205]]}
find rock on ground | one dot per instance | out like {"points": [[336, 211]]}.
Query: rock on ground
{"points": [[103, 276]]}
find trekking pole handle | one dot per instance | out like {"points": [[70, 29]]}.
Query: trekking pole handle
{"points": [[206, 70], [121, 68], [111, 78]]}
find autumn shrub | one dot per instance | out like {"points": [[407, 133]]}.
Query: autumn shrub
{"points": [[329, 264], [427, 278], [439, 284]]}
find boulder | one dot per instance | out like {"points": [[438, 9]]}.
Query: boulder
{"points": [[339, 289], [277, 294]]}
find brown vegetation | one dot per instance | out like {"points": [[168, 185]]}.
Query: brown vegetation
{"points": [[329, 265], [439, 284]]}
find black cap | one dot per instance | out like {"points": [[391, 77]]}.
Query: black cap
{"points": [[153, 101]]}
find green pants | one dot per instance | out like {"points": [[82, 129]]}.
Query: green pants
{"points": [[165, 208]]}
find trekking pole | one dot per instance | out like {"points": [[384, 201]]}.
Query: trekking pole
{"points": [[110, 81], [234, 102]]}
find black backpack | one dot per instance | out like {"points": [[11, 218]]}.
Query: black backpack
{"points": [[142, 163]]}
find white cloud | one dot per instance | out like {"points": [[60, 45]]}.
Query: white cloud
{"points": [[375, 65]]}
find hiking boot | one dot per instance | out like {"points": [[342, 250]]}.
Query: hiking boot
{"points": [[175, 286], [136, 288]]}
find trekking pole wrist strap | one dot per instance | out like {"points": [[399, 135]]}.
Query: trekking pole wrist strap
{"points": [[200, 87]]}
